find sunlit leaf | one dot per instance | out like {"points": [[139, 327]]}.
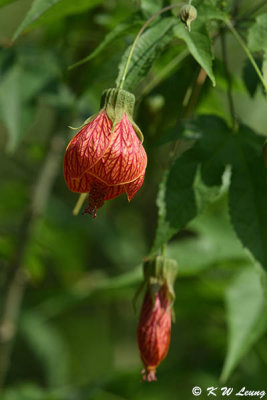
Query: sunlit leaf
{"points": [[63, 9], [257, 39], [148, 48], [38, 7], [149, 7], [18, 90], [257, 36], [206, 12], [15, 117], [199, 45]]}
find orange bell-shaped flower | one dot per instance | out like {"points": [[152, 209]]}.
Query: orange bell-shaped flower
{"points": [[154, 327], [106, 158], [154, 331]]}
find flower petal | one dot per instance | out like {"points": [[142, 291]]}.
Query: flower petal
{"points": [[125, 159], [79, 185], [87, 147], [132, 188], [114, 191], [154, 330]]}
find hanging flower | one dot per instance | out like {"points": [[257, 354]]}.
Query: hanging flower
{"points": [[154, 327], [154, 331], [106, 158]]}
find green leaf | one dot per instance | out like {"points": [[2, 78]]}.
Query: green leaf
{"points": [[214, 147], [264, 67], [65, 299], [214, 241], [149, 7], [5, 2], [199, 45], [117, 32], [184, 192], [31, 391], [63, 9], [248, 194], [206, 12], [18, 90], [38, 7], [148, 48], [48, 345], [257, 35], [213, 144], [12, 113], [257, 39], [250, 76], [246, 317], [176, 200]]}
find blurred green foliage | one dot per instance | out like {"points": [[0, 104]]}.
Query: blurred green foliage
{"points": [[75, 335]]}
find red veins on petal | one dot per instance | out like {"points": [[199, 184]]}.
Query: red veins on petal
{"points": [[86, 148], [125, 160], [105, 163], [132, 188], [154, 330]]}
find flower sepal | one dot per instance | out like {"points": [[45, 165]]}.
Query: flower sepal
{"points": [[160, 270], [118, 102], [75, 128]]}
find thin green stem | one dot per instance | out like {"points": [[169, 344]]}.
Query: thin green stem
{"points": [[248, 53], [163, 249], [79, 204], [138, 36]]}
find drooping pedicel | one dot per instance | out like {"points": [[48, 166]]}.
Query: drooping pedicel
{"points": [[106, 157]]}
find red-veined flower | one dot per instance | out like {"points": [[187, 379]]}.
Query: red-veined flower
{"points": [[154, 327], [154, 330], [106, 157]]}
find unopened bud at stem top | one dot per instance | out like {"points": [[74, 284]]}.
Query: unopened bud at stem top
{"points": [[188, 14]]}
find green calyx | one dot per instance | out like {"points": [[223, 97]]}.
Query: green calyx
{"points": [[160, 270], [118, 102]]}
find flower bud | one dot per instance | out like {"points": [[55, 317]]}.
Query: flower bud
{"points": [[106, 157], [154, 330], [154, 327], [188, 14]]}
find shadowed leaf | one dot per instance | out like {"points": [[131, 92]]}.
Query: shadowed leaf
{"points": [[246, 316]]}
